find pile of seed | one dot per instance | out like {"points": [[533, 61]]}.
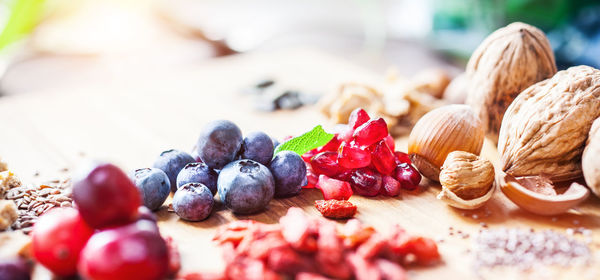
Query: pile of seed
{"points": [[33, 200], [528, 249]]}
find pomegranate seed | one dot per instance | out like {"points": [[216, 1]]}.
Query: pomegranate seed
{"points": [[334, 189], [331, 146], [391, 186], [408, 176], [370, 132], [351, 156], [309, 155], [345, 176], [357, 118], [345, 133], [382, 158], [402, 158], [389, 140], [326, 163], [312, 179], [365, 182]]}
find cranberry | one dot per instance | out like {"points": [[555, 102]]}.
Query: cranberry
{"points": [[365, 182], [382, 158], [58, 238], [134, 251], [370, 132], [389, 140], [106, 197], [402, 158], [334, 189], [357, 118], [351, 156], [326, 163], [408, 176], [391, 186]]}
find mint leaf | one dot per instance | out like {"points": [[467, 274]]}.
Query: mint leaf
{"points": [[315, 138]]}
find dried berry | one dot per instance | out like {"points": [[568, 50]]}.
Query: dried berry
{"points": [[336, 209]]}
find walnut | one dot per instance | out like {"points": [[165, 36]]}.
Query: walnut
{"points": [[508, 61], [544, 130], [590, 160], [467, 180]]}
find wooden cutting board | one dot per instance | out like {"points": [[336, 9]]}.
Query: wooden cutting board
{"points": [[131, 123]]}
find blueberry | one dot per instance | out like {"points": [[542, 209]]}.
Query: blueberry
{"points": [[193, 202], [258, 147], [197, 172], [14, 269], [246, 186], [219, 143], [171, 162], [154, 186], [289, 172]]}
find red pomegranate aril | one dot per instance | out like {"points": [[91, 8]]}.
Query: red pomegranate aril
{"points": [[382, 158], [351, 156], [345, 133], [309, 155], [365, 182], [370, 132], [389, 140], [408, 176], [312, 179], [357, 118], [402, 158], [333, 188], [391, 186], [326, 163], [331, 146], [345, 176]]}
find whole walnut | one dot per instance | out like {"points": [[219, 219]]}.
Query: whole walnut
{"points": [[545, 128], [508, 61]]}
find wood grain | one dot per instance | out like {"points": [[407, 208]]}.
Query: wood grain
{"points": [[130, 124]]}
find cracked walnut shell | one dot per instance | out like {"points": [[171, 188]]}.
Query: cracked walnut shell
{"points": [[467, 180], [544, 130], [508, 61]]}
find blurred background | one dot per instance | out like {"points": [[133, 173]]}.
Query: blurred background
{"points": [[49, 44]]}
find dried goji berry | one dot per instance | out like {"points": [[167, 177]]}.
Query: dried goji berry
{"points": [[336, 209]]}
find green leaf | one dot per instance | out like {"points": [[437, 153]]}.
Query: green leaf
{"points": [[24, 16], [315, 138]]}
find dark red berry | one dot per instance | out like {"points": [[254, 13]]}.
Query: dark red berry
{"points": [[370, 132], [326, 163], [382, 158], [357, 118], [408, 176], [391, 186], [389, 140], [351, 156], [365, 182], [334, 189], [402, 158]]}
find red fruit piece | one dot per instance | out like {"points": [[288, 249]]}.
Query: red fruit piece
{"points": [[331, 146], [174, 256], [408, 176], [287, 261], [298, 230], [357, 118], [391, 186], [330, 257], [370, 132], [363, 269], [106, 197], [390, 270], [334, 189], [336, 209], [311, 179], [355, 233], [310, 276], [424, 249], [326, 163], [389, 140], [373, 247], [402, 158], [344, 133], [58, 238], [134, 251], [365, 182], [247, 268], [383, 158], [309, 155], [351, 156]]}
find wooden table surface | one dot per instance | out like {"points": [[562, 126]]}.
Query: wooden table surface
{"points": [[130, 124]]}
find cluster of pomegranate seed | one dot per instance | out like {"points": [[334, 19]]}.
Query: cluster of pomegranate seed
{"points": [[300, 247], [360, 159]]}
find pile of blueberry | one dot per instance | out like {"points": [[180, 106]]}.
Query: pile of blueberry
{"points": [[243, 171]]}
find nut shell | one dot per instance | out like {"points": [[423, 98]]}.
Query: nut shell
{"points": [[508, 61], [545, 128], [590, 160], [440, 132], [466, 179]]}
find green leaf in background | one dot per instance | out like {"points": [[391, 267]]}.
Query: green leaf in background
{"points": [[315, 138], [24, 16]]}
